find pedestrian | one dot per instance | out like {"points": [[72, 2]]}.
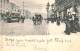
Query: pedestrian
{"points": [[23, 19], [73, 25], [41, 19], [58, 21], [34, 20], [68, 25], [76, 24]]}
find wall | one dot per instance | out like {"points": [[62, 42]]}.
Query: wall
{"points": [[79, 14], [4, 6], [0, 6], [13, 7], [27, 13]]}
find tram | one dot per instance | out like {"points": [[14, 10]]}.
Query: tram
{"points": [[13, 17]]}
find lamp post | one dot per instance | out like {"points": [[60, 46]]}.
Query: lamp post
{"points": [[48, 5], [52, 13], [23, 9], [23, 14]]}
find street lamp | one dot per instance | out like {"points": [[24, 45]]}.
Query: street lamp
{"points": [[23, 9], [48, 5], [23, 14]]}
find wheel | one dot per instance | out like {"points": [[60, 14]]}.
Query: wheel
{"points": [[9, 20]]}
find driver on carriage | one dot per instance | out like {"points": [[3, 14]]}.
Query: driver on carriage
{"points": [[37, 19]]}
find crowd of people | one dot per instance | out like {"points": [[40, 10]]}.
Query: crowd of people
{"points": [[71, 21]]}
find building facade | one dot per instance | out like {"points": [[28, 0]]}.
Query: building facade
{"points": [[4, 5], [27, 13], [64, 7], [7, 7], [13, 7]]}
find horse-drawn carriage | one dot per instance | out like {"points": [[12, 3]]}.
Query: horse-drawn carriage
{"points": [[37, 19]]}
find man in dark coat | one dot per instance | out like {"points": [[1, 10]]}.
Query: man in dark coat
{"points": [[34, 20], [68, 25]]}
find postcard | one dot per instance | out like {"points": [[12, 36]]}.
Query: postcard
{"points": [[39, 25]]}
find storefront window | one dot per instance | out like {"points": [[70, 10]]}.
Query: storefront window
{"points": [[1, 1]]}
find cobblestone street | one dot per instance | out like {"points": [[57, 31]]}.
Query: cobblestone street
{"points": [[27, 28], [24, 28]]}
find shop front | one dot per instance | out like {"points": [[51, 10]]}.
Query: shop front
{"points": [[0, 17], [78, 15]]}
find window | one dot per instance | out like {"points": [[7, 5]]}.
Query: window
{"points": [[4, 1], [1, 1]]}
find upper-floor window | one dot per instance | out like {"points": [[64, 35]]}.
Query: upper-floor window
{"points": [[4, 1], [1, 1]]}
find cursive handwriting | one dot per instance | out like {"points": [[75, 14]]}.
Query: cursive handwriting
{"points": [[40, 48]]}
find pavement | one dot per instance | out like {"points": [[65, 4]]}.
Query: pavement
{"points": [[1, 26], [27, 28], [54, 29]]}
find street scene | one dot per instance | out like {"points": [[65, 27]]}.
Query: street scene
{"points": [[53, 17]]}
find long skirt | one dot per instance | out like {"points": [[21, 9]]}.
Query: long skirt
{"points": [[68, 28], [58, 22], [73, 26]]}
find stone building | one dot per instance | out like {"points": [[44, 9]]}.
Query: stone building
{"points": [[13, 7], [4, 5], [65, 6], [27, 13]]}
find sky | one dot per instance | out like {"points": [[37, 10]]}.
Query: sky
{"points": [[35, 6]]}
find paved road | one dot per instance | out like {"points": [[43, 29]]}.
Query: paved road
{"points": [[27, 28]]}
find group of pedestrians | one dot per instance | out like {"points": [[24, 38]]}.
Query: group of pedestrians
{"points": [[71, 24], [71, 21]]}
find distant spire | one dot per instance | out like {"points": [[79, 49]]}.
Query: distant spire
{"points": [[48, 3]]}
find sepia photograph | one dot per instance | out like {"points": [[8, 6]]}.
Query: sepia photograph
{"points": [[39, 17], [25, 24]]}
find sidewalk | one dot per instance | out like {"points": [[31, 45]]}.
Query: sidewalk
{"points": [[1, 26], [53, 29]]}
